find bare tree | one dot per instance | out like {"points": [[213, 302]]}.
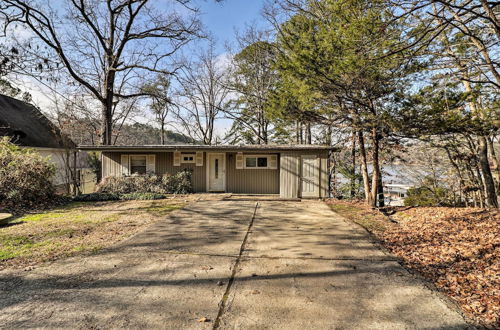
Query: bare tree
{"points": [[203, 95], [106, 47]]}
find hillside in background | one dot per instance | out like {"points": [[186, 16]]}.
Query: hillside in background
{"points": [[86, 132], [139, 134]]}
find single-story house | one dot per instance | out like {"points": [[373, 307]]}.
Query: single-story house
{"points": [[26, 126], [292, 171]]}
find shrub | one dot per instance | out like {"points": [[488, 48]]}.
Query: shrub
{"points": [[100, 197], [25, 176], [179, 183], [182, 182], [96, 197], [141, 196], [425, 196]]}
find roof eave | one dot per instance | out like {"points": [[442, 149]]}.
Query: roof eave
{"points": [[208, 148]]}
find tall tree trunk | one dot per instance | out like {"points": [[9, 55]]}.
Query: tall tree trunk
{"points": [[301, 134], [162, 133], [481, 184], [106, 121], [489, 183], [496, 162], [353, 172], [482, 155], [329, 135], [376, 167], [364, 166], [380, 192], [334, 175], [297, 132], [309, 133], [459, 173]]}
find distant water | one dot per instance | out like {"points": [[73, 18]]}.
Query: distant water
{"points": [[396, 174]]}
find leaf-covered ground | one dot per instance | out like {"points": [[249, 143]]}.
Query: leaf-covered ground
{"points": [[458, 249]]}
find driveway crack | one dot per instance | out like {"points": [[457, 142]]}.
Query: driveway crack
{"points": [[223, 303]]}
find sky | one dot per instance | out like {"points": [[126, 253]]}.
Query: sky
{"points": [[223, 18]]}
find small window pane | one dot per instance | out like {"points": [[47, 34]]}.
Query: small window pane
{"points": [[262, 162], [138, 164], [216, 168], [187, 158], [251, 162]]}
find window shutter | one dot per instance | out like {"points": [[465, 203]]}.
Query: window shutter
{"points": [[199, 158], [239, 161], [177, 158], [151, 164], [125, 165], [273, 162]]}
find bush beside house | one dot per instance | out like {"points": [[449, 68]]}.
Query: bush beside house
{"points": [[179, 183], [141, 187], [25, 176]]}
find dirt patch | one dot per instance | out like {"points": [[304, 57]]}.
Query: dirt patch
{"points": [[457, 249], [361, 214], [76, 228]]}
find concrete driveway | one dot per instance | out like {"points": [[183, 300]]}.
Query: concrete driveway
{"points": [[236, 264]]}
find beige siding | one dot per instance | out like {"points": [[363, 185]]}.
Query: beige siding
{"points": [[290, 172], [164, 164], [251, 181], [111, 164], [284, 181], [323, 181], [289, 175]]}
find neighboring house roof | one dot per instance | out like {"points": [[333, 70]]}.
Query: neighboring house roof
{"points": [[28, 127], [234, 148]]}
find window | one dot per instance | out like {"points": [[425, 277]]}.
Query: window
{"points": [[188, 158], [250, 162], [262, 162], [256, 161], [138, 164]]}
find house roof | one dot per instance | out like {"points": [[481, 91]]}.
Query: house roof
{"points": [[27, 126], [192, 147]]}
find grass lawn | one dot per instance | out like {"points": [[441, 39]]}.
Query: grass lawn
{"points": [[457, 249], [79, 227]]}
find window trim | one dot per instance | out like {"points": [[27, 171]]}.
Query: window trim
{"points": [[130, 164], [256, 162], [189, 154]]}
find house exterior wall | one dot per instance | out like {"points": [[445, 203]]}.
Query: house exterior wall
{"points": [[251, 181], [285, 180], [59, 158], [164, 164], [290, 173]]}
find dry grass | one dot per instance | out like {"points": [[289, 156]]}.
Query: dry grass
{"points": [[361, 214], [76, 228]]}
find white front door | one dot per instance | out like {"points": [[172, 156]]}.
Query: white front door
{"points": [[310, 176], [216, 172]]}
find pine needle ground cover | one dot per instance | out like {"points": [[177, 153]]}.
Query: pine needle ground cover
{"points": [[457, 249], [76, 228]]}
